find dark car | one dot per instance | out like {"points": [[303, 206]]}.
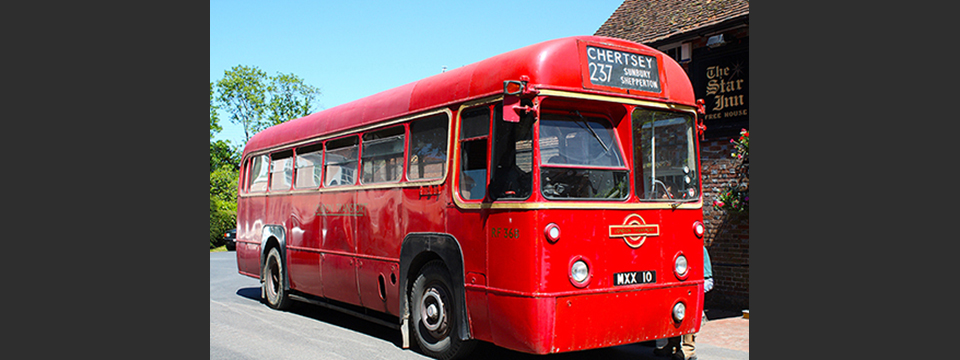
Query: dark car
{"points": [[230, 239]]}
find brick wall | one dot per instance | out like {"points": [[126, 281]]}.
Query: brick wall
{"points": [[728, 235]]}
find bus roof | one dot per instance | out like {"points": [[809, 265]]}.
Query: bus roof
{"points": [[553, 64]]}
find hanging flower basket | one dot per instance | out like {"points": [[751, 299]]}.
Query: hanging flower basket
{"points": [[735, 197]]}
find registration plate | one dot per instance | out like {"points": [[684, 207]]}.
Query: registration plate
{"points": [[634, 277]]}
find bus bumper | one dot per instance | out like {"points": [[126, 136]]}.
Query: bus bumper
{"points": [[543, 325]]}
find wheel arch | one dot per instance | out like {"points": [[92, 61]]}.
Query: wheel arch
{"points": [[420, 248], [274, 236]]}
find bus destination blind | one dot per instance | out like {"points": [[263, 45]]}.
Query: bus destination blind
{"points": [[621, 69]]}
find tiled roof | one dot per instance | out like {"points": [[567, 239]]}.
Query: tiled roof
{"points": [[646, 21]]}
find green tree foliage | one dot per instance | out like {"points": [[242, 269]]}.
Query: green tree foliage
{"points": [[221, 152], [214, 118], [223, 191], [223, 183], [290, 98], [223, 202], [224, 161], [257, 101], [242, 93]]}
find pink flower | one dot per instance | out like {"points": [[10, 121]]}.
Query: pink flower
{"points": [[718, 203]]}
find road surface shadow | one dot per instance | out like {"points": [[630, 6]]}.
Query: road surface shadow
{"points": [[484, 350], [332, 317], [639, 351], [714, 314], [252, 293]]}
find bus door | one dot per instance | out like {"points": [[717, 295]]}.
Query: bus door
{"points": [[304, 223], [511, 183], [338, 212], [249, 233], [378, 218]]}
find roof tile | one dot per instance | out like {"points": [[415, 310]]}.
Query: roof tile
{"points": [[645, 21]]}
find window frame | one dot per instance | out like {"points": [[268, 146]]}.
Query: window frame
{"points": [[461, 140], [616, 144], [326, 159], [363, 159], [287, 157], [499, 130], [254, 177], [693, 155], [442, 117], [299, 152]]}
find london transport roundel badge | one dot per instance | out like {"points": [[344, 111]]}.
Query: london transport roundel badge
{"points": [[634, 230]]}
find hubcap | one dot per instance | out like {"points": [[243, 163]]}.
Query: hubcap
{"points": [[274, 284], [433, 311]]}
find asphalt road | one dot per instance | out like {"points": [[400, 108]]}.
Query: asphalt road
{"points": [[241, 327]]}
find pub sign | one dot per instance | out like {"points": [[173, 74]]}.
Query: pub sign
{"points": [[721, 78]]}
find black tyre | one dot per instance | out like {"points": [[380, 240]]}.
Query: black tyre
{"points": [[273, 275], [434, 311]]}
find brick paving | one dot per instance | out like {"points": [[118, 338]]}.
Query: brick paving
{"points": [[725, 329]]}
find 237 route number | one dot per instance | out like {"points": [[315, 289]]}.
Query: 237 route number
{"points": [[600, 72]]}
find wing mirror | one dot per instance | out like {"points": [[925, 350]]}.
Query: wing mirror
{"points": [[513, 92]]}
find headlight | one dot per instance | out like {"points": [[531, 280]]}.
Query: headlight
{"points": [[680, 266], [679, 311], [579, 271]]}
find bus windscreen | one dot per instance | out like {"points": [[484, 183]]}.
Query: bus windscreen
{"points": [[666, 158], [580, 159]]}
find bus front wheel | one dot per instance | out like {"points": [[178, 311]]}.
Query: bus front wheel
{"points": [[434, 314], [273, 274]]}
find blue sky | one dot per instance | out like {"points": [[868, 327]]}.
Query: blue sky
{"points": [[352, 49]]}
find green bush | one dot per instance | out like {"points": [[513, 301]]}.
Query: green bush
{"points": [[223, 203], [223, 217]]}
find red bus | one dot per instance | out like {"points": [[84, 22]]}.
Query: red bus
{"points": [[544, 200]]}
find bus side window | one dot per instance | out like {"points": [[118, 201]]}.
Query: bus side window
{"points": [[309, 167], [281, 171], [382, 159], [512, 163], [258, 173], [340, 165], [474, 133], [428, 148]]}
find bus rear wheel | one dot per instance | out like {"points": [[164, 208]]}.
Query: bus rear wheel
{"points": [[273, 275], [434, 316]]}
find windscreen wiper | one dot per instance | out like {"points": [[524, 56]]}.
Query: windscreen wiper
{"points": [[587, 126]]}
